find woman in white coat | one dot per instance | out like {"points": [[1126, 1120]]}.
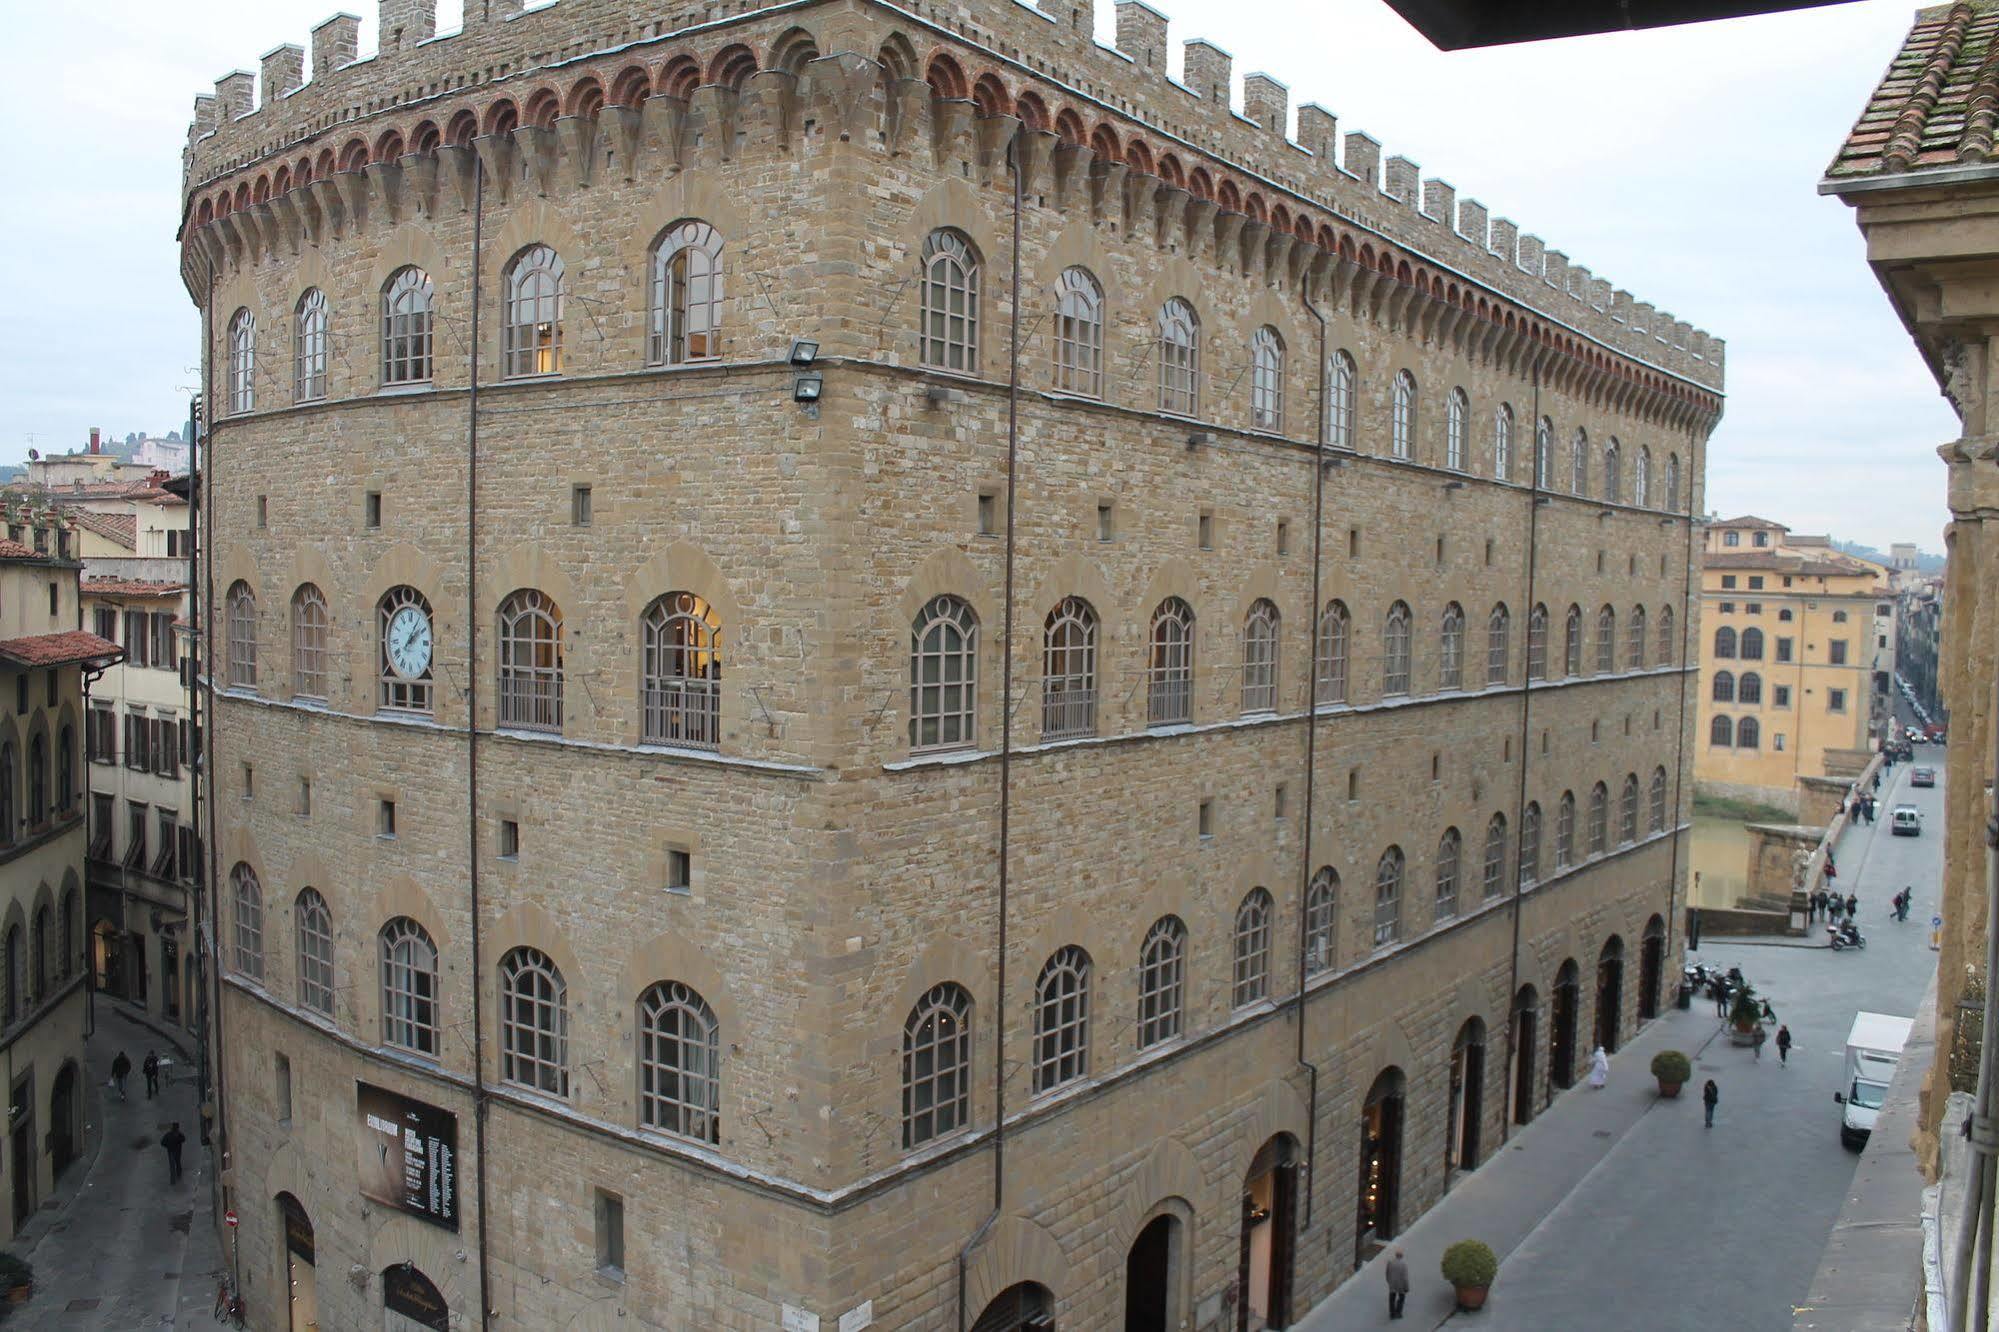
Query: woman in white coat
{"points": [[1599, 1069]]}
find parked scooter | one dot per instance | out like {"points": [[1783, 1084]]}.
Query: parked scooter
{"points": [[1846, 935]]}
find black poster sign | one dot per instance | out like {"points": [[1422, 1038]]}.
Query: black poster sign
{"points": [[408, 1154], [408, 1292]]}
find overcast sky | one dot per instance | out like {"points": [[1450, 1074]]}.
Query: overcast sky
{"points": [[1679, 163]]}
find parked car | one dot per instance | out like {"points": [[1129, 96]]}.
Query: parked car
{"points": [[1906, 821], [1922, 776]]}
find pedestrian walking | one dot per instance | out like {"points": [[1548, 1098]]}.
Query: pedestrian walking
{"points": [[1398, 1284], [1710, 1097], [121, 1068], [1720, 989], [1812, 903], [1599, 1069], [1769, 1013], [1872, 805], [1784, 1046], [150, 1066], [1853, 904], [173, 1140], [1759, 1040]]}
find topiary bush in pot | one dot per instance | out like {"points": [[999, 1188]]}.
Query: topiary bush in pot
{"points": [[1470, 1266], [1672, 1069]]}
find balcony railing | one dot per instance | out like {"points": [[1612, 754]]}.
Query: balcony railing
{"points": [[684, 712], [1067, 713]]}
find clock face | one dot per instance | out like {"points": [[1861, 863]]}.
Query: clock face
{"points": [[408, 643]]}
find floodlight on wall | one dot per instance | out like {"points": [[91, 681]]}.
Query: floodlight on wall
{"points": [[807, 387], [944, 393], [1605, 513], [1540, 501], [1454, 485], [1332, 461], [1198, 438], [804, 351]]}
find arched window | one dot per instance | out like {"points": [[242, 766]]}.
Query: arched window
{"points": [[1752, 644], [1402, 434], [1659, 799], [1179, 359], [313, 923], [1395, 650], [1634, 640], [1724, 687], [66, 792], [1498, 648], [943, 674], [1451, 648], [72, 933], [534, 1023], [242, 614], [1062, 1019], [1673, 482], [1599, 819], [1750, 690], [1079, 334], [1668, 645], [406, 325], [1627, 811], [1721, 731], [1530, 844], [1331, 654], [1565, 831], [1502, 442], [409, 987], [403, 650], [1572, 643], [1069, 670], [1252, 949], [1579, 463], [1724, 642], [681, 694], [1458, 410], [1266, 385], [1450, 849], [247, 897], [310, 622], [1340, 401], [38, 952], [1606, 641], [1162, 973], [1544, 455], [1641, 478], [1388, 897], [242, 367], [1321, 922], [309, 347], [680, 1056], [17, 975], [1495, 856], [1170, 676], [533, 328], [1259, 657], [1537, 643], [38, 781], [1613, 471], [685, 321], [937, 1065], [949, 333], [530, 662], [1748, 733]]}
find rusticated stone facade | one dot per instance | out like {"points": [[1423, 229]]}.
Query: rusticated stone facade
{"points": [[1202, 311]]}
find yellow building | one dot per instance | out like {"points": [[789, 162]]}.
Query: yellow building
{"points": [[1789, 650]]}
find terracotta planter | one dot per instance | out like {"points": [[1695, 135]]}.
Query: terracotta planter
{"points": [[1669, 1090], [1472, 1297], [19, 1294]]}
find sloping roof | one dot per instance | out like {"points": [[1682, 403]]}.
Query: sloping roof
{"points": [[1751, 520], [58, 649], [14, 550], [1938, 104], [130, 587], [1765, 561], [122, 528]]}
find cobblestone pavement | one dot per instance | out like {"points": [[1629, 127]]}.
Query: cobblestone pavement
{"points": [[1615, 1209], [118, 1247]]}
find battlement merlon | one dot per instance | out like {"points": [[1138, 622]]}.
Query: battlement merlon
{"points": [[1051, 47]]}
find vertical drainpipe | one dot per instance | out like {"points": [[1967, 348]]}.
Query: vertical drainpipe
{"points": [[1311, 765], [480, 1103], [1526, 709]]}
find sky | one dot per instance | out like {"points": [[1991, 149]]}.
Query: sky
{"points": [[1679, 163]]}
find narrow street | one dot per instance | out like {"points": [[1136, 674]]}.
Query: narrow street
{"points": [[118, 1247], [1619, 1209]]}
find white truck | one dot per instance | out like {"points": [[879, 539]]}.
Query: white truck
{"points": [[1872, 1048]]}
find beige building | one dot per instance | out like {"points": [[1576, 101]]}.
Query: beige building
{"points": [[781, 768], [88, 466], [44, 659], [1796, 661]]}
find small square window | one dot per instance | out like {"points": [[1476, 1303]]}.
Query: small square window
{"points": [[1777, 741], [249, 781], [1106, 523], [1755, 582], [1283, 537], [1544, 741], [1631, 567], [988, 513], [385, 818], [1752, 608], [679, 870], [610, 1215], [305, 797], [1207, 818], [579, 505], [1727, 581], [1728, 608], [1655, 719], [1488, 552], [1206, 530], [1283, 798], [1353, 543], [510, 839], [1835, 700], [1780, 696], [1506, 750], [263, 511], [1627, 723], [372, 509]]}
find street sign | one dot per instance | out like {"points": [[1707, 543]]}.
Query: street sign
{"points": [[229, 1218]]}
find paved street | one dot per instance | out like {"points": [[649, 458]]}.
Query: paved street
{"points": [[119, 1248], [1618, 1209]]}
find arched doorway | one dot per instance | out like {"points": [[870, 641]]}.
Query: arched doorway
{"points": [[1526, 1029], [1380, 1164], [107, 958], [1609, 993], [1651, 968], [65, 1132], [1269, 1236], [411, 1302], [1562, 1026], [1467, 1104], [1026, 1307], [1151, 1275], [301, 1278]]}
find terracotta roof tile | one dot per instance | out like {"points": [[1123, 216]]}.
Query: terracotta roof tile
{"points": [[57, 649], [1751, 520], [1788, 564], [130, 587], [122, 528], [1937, 104], [14, 550]]}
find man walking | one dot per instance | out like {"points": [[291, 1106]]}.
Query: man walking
{"points": [[121, 1068], [1784, 1046], [1853, 905], [1398, 1284], [1710, 1096], [174, 1140], [1759, 1041], [150, 1066]]}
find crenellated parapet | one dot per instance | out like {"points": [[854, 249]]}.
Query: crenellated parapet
{"points": [[547, 100]]}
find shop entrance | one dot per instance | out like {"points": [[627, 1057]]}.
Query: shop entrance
{"points": [[1149, 1276], [1562, 1038], [301, 1278], [1526, 1028], [1651, 968], [1269, 1236], [1027, 1307], [411, 1303], [1609, 993], [1467, 1098], [1380, 1164]]}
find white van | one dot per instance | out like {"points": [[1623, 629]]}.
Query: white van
{"points": [[1906, 821]]}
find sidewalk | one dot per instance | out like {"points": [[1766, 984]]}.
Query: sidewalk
{"points": [[118, 1247]]}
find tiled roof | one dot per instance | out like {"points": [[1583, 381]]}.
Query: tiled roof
{"points": [[130, 587], [57, 649], [122, 528], [1938, 104], [14, 550], [1769, 561], [1751, 520]]}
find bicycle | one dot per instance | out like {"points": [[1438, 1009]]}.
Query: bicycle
{"points": [[228, 1304]]}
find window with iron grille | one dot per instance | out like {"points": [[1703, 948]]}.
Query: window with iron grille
{"points": [[1079, 334], [1606, 641], [1658, 799], [686, 315], [532, 333], [937, 1065], [1162, 971], [530, 660], [1565, 831], [1259, 657], [1321, 923], [1502, 442], [314, 925], [534, 1023], [1252, 949], [1340, 402], [1599, 819], [406, 327], [310, 622], [242, 628], [680, 1056], [309, 347], [1572, 642], [682, 688], [1449, 851], [1069, 671], [248, 899], [1388, 897], [1634, 640], [1498, 647], [1170, 675], [409, 987], [1627, 811], [1451, 648], [1537, 643], [1458, 408], [1062, 1019], [1530, 844], [1395, 650], [242, 363], [1332, 654], [1495, 857], [943, 675], [1179, 359], [1402, 437], [949, 333], [1266, 385]]}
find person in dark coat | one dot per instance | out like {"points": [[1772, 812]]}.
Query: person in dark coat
{"points": [[173, 1140], [1852, 904], [1784, 1046], [1398, 1284], [1710, 1097], [121, 1068], [150, 1066]]}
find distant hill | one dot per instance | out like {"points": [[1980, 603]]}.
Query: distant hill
{"points": [[1925, 562]]}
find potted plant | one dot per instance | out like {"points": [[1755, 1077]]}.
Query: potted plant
{"points": [[1672, 1069], [16, 1278], [1745, 1015], [1470, 1267]]}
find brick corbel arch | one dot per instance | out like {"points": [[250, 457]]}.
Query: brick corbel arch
{"points": [[1278, 1108], [528, 925], [310, 270], [410, 244], [698, 193], [290, 1171], [1387, 1046], [1175, 276], [1262, 583], [1080, 244], [1265, 307], [1015, 1250], [536, 222]]}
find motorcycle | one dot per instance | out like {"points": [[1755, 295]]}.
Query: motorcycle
{"points": [[1846, 935]]}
